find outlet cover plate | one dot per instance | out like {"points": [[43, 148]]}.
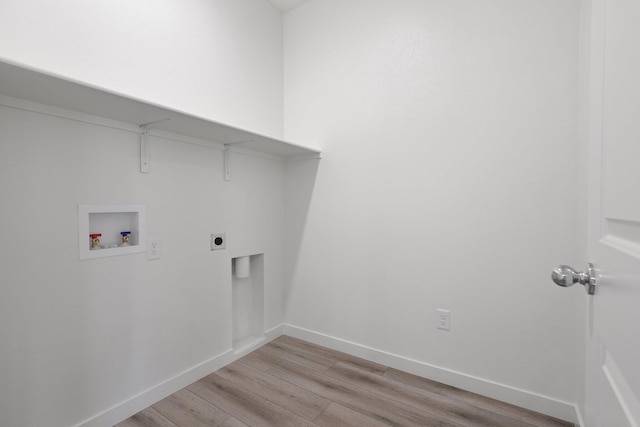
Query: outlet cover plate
{"points": [[153, 249], [443, 319]]}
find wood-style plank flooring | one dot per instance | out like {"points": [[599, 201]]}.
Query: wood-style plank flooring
{"points": [[290, 382]]}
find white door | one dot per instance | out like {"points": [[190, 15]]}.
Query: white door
{"points": [[613, 125]]}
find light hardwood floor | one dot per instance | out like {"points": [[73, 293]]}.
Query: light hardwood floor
{"points": [[290, 382]]}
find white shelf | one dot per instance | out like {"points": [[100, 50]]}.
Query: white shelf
{"points": [[43, 88]]}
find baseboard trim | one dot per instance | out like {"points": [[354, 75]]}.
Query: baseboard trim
{"points": [[273, 333], [258, 342], [146, 398], [516, 396]]}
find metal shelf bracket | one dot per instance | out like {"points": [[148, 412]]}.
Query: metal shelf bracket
{"points": [[144, 145], [227, 155], [227, 170]]}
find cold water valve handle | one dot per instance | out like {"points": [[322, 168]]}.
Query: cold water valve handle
{"points": [[125, 238], [565, 276]]}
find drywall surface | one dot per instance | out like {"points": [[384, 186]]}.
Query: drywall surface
{"points": [[218, 59], [447, 130], [82, 337]]}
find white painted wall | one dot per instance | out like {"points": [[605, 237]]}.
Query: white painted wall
{"points": [[447, 130], [219, 59], [81, 337]]}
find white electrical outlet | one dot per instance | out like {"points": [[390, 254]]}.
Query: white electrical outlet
{"points": [[153, 249], [442, 319]]}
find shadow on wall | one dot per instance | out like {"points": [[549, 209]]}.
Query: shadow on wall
{"points": [[300, 182]]}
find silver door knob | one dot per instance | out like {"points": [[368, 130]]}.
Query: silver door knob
{"points": [[565, 276]]}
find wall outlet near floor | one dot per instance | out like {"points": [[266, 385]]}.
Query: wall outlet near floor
{"points": [[153, 249], [442, 319]]}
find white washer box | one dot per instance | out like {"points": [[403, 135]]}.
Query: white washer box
{"points": [[110, 221]]}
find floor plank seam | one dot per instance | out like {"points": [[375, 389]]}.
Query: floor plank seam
{"points": [[271, 400], [294, 385]]}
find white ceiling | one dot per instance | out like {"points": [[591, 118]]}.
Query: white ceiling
{"points": [[286, 5]]}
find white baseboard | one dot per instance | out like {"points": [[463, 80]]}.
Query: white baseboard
{"points": [[523, 398], [273, 333], [535, 402], [146, 398]]}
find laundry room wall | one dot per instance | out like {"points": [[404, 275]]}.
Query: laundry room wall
{"points": [[448, 129], [91, 342]]}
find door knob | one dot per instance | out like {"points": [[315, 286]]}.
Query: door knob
{"points": [[565, 276]]}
